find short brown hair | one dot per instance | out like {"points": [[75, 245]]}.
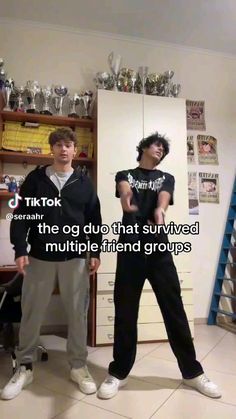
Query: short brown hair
{"points": [[62, 134]]}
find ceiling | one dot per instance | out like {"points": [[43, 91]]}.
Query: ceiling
{"points": [[204, 24]]}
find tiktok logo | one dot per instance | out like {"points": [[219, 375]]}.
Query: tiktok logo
{"points": [[14, 202]]}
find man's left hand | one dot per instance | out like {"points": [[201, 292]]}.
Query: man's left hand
{"points": [[94, 264]]}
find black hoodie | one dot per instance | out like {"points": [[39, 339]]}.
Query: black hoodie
{"points": [[79, 206]]}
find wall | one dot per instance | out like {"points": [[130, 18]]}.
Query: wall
{"points": [[53, 55]]}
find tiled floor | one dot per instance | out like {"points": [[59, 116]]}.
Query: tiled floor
{"points": [[154, 389]]}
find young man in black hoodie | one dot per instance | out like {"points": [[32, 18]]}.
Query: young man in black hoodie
{"points": [[145, 194], [65, 201]]}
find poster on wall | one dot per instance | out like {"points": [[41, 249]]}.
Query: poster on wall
{"points": [[207, 149], [195, 112], [209, 187], [190, 150], [193, 203]]}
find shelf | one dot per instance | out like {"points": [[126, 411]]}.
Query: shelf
{"points": [[37, 159], [46, 119], [6, 195], [8, 269]]}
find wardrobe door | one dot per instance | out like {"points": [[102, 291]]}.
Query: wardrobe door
{"points": [[168, 116], [120, 128]]}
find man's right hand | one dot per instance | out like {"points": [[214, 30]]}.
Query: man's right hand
{"points": [[125, 199], [21, 262]]}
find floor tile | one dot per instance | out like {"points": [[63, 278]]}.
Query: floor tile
{"points": [[35, 402], [154, 389], [138, 399], [57, 380], [222, 359], [208, 335], [182, 406], [83, 410], [157, 371], [225, 382]]}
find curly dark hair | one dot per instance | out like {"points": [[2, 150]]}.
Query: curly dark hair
{"points": [[62, 134], [155, 138]]}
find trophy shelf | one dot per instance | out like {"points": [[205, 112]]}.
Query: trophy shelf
{"points": [[46, 119], [37, 159]]}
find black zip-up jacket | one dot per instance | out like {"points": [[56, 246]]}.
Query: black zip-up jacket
{"points": [[80, 206]]}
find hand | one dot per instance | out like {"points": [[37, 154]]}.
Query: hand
{"points": [[20, 263], [159, 216], [125, 200], [94, 264]]}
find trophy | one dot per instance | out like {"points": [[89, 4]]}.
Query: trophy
{"points": [[104, 80], [134, 77], [2, 74], [175, 90], [2, 77], [155, 84], [33, 87], [168, 85], [114, 63], [73, 102], [20, 102], [61, 92], [47, 94], [86, 99], [143, 73], [127, 80], [8, 89]]}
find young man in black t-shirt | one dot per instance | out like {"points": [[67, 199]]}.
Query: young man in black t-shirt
{"points": [[145, 194]]}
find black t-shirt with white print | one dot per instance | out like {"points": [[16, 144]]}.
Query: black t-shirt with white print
{"points": [[146, 185]]}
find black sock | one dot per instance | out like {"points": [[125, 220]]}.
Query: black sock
{"points": [[27, 366]]}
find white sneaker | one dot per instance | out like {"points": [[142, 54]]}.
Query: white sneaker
{"points": [[109, 388], [82, 377], [204, 386], [20, 380]]}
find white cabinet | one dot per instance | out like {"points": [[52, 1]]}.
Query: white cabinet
{"points": [[120, 127], [123, 120]]}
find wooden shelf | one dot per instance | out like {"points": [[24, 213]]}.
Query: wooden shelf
{"points": [[8, 269], [37, 159], [6, 195], [46, 119]]}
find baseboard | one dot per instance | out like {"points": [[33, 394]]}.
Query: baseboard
{"points": [[200, 320], [50, 329], [61, 329], [54, 329]]}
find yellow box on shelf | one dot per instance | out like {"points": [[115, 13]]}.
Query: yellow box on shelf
{"points": [[17, 137], [84, 142]]}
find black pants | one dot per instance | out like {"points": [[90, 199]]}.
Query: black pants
{"points": [[159, 269]]}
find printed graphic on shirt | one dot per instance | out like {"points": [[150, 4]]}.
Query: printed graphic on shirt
{"points": [[153, 185]]}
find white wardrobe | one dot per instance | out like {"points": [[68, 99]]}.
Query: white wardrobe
{"points": [[123, 120]]}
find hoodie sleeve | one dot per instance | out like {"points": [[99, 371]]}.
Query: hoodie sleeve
{"points": [[19, 227], [93, 216]]}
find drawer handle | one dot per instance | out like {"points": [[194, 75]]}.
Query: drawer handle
{"points": [[110, 336], [111, 283], [110, 318], [110, 300]]}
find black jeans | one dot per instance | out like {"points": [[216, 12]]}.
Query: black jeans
{"points": [[159, 269]]}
